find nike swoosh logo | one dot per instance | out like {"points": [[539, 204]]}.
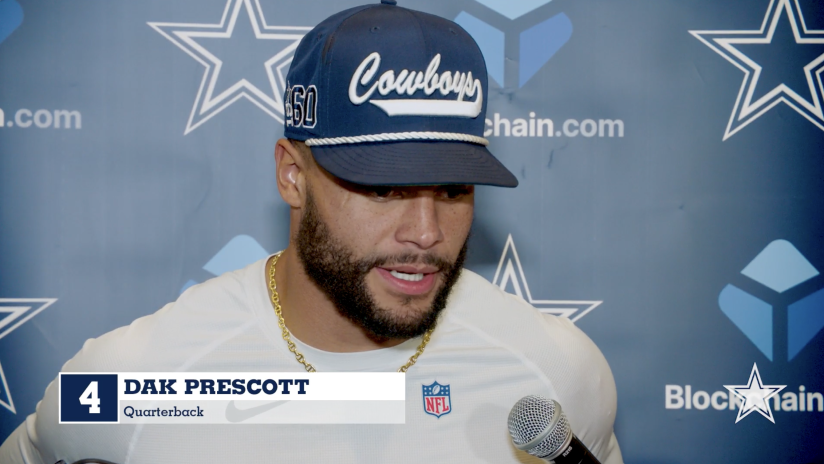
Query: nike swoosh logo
{"points": [[235, 415]]}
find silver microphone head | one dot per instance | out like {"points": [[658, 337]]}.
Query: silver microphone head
{"points": [[539, 427]]}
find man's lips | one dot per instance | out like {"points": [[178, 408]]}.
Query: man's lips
{"points": [[409, 287], [410, 269]]}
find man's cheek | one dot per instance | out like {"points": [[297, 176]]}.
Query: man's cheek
{"points": [[373, 281]]}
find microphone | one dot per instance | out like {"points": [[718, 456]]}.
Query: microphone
{"points": [[539, 427]]}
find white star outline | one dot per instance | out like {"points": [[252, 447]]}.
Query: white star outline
{"points": [[745, 110], [755, 396], [510, 271], [19, 310], [207, 105]]}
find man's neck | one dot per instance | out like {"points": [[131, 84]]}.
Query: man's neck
{"points": [[311, 316]]}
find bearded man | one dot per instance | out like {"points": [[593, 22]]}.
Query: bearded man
{"points": [[385, 111]]}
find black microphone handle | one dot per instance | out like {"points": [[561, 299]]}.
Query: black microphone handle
{"points": [[86, 461], [576, 453]]}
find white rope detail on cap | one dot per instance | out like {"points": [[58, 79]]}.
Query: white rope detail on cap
{"points": [[398, 137]]}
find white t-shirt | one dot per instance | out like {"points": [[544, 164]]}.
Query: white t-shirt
{"points": [[490, 347]]}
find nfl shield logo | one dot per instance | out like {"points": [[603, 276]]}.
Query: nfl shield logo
{"points": [[436, 400]]}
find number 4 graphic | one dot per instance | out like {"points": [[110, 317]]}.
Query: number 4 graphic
{"points": [[96, 404], [89, 398]]}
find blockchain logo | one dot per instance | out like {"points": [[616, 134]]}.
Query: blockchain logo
{"points": [[243, 57], [240, 252], [536, 45], [779, 267], [782, 63], [11, 17]]}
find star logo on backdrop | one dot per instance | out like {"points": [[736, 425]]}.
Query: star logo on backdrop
{"points": [[13, 313], [213, 98], [793, 40], [754, 396], [510, 274]]}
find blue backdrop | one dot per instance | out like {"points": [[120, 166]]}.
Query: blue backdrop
{"points": [[669, 155]]}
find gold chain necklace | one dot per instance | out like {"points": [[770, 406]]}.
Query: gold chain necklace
{"points": [[288, 337]]}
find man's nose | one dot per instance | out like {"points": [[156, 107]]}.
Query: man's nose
{"points": [[420, 223]]}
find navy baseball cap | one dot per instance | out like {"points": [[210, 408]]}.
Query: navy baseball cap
{"points": [[385, 95]]}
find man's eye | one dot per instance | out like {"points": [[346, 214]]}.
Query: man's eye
{"points": [[454, 192], [382, 192]]}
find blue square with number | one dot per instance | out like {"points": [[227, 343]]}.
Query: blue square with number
{"points": [[86, 398]]}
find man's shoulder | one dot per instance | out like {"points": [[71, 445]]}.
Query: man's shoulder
{"points": [[483, 303], [568, 363], [552, 343], [472, 288], [202, 316]]}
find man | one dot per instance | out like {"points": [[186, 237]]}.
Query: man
{"points": [[384, 117]]}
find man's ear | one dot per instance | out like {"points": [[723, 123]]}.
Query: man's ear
{"points": [[290, 172]]}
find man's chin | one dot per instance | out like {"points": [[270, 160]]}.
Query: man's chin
{"points": [[411, 312], [405, 306], [401, 325]]}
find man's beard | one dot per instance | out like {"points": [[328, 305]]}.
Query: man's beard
{"points": [[342, 277]]}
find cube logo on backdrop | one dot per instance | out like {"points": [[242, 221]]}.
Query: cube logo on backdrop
{"points": [[536, 45], [779, 267], [238, 253], [11, 17], [533, 47], [782, 63], [244, 57]]}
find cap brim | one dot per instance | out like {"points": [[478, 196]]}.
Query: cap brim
{"points": [[414, 163]]}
